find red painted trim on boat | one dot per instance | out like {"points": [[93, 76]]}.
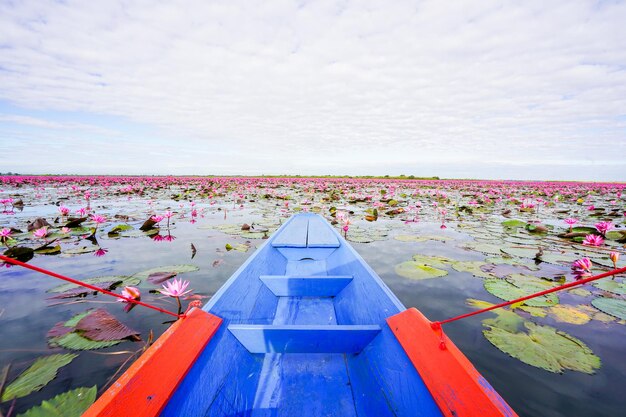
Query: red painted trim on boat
{"points": [[145, 388], [457, 387]]}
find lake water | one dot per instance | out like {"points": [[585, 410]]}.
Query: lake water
{"points": [[27, 313]]}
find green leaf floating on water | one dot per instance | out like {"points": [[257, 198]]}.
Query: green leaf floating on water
{"points": [[121, 280], [611, 286], [517, 286], [544, 347], [612, 306], [74, 341], [69, 404], [513, 224], [179, 269], [37, 376], [418, 270], [423, 238]]}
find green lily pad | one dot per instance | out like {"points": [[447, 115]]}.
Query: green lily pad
{"points": [[473, 267], [79, 251], [68, 404], [418, 270], [611, 286], [37, 376], [517, 287], [505, 319], [513, 224], [612, 306], [121, 280], [487, 248], [416, 238], [179, 269], [50, 250], [120, 228], [545, 347], [569, 314]]}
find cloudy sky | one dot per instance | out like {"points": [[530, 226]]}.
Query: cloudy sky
{"points": [[480, 89]]}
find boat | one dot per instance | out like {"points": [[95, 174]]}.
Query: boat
{"points": [[303, 328]]}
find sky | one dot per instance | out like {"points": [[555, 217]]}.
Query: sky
{"points": [[455, 89]]}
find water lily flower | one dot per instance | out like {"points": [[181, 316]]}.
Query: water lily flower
{"points": [[98, 219], [175, 288], [593, 240], [65, 230], [604, 227], [157, 218], [582, 268], [81, 211], [100, 252], [168, 214], [64, 211], [614, 258], [5, 233], [571, 221], [132, 293], [41, 232]]}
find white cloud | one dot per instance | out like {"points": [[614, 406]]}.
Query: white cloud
{"points": [[272, 87]]}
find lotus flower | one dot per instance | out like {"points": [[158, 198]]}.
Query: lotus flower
{"points": [[98, 219], [5, 233], [604, 227], [581, 268], [593, 240], [614, 258], [41, 232], [571, 221], [132, 293], [156, 218], [175, 288]]}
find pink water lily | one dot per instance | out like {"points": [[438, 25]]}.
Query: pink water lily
{"points": [[98, 219], [571, 222], [41, 232], [614, 258], [5, 233], [604, 227], [132, 293], [582, 268], [175, 288], [64, 211], [157, 218], [593, 240]]}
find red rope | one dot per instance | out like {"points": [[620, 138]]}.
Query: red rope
{"points": [[437, 324], [84, 284]]}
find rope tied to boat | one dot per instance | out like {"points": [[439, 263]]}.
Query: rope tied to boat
{"points": [[91, 287], [437, 324]]}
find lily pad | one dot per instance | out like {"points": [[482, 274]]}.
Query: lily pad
{"points": [[37, 376], [100, 325], [612, 306], [68, 404], [418, 270], [178, 269], [417, 238], [611, 286], [545, 347], [50, 250], [569, 314], [512, 288], [513, 224], [473, 267], [116, 279], [74, 341]]}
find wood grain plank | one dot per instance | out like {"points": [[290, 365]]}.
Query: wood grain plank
{"points": [[289, 286]]}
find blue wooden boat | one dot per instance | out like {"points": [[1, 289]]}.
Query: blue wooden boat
{"points": [[303, 328]]}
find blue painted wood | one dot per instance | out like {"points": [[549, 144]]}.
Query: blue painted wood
{"points": [[299, 310], [304, 338], [293, 236], [384, 383], [288, 286], [227, 379], [320, 235], [306, 267]]}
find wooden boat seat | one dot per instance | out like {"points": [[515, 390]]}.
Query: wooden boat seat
{"points": [[304, 338], [305, 286]]}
